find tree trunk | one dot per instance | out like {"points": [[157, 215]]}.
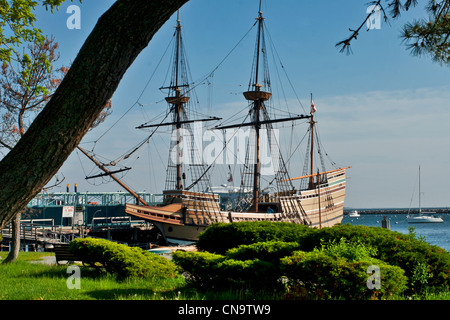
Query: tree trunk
{"points": [[15, 236], [15, 244], [117, 39]]}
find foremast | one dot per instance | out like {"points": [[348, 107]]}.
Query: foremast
{"points": [[178, 100]]}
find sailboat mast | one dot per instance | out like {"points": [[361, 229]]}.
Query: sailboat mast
{"points": [[420, 206]]}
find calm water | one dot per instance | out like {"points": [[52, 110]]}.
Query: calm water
{"points": [[435, 233]]}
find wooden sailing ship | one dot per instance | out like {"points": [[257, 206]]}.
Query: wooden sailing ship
{"points": [[187, 211]]}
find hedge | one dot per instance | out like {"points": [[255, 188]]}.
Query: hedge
{"points": [[425, 265], [402, 250], [200, 267], [341, 270], [337, 269], [271, 251], [220, 237], [205, 270], [122, 260]]}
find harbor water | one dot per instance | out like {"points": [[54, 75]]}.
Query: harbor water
{"points": [[434, 233]]}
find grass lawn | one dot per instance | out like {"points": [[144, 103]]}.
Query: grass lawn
{"points": [[25, 280]]}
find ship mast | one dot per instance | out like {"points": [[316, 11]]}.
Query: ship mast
{"points": [[178, 102], [257, 98]]}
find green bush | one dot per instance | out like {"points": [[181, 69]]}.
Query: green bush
{"points": [[122, 260], [340, 270], [200, 268], [270, 251], [394, 248], [251, 274], [220, 237], [321, 275], [344, 251], [205, 270], [254, 266], [397, 249]]}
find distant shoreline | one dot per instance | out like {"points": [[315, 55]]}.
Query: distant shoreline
{"points": [[396, 210]]}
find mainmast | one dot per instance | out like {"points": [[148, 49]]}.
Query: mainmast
{"points": [[257, 98], [177, 101]]}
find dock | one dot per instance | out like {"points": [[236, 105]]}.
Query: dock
{"points": [[41, 234]]}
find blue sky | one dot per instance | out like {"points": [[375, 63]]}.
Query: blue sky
{"points": [[380, 110]]}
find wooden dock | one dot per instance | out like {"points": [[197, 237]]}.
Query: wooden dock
{"points": [[41, 235]]}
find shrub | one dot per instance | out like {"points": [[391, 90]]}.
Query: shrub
{"points": [[270, 251], [425, 266], [205, 270], [122, 260], [251, 274], [352, 251], [220, 237], [200, 268], [254, 266], [339, 270], [394, 248]]}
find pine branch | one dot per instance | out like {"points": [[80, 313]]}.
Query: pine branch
{"points": [[396, 8], [430, 37]]}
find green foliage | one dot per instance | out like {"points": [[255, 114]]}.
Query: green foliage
{"points": [[17, 20], [329, 262], [221, 237], [430, 37], [339, 270], [352, 251], [397, 249], [200, 267], [270, 251], [122, 260], [205, 270]]}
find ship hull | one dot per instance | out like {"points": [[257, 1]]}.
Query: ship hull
{"points": [[194, 212]]}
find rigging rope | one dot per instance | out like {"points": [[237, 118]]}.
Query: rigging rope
{"points": [[210, 74], [213, 163]]}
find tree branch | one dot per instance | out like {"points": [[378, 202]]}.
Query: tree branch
{"points": [[396, 7]]}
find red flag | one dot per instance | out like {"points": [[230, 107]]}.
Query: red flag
{"points": [[313, 107]]}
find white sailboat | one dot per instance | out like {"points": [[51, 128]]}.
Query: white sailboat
{"points": [[423, 217]]}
